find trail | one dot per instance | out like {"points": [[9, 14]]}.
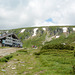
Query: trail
{"points": [[7, 51], [23, 64]]}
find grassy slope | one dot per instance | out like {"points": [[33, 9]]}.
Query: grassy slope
{"points": [[63, 39], [57, 62], [36, 40], [39, 39], [26, 63]]}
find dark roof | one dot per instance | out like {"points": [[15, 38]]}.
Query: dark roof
{"points": [[1, 37]]}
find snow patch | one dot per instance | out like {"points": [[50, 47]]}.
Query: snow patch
{"points": [[73, 29], [22, 30], [57, 36], [44, 29], [64, 29], [7, 31], [35, 31]]}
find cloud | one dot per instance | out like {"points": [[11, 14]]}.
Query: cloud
{"points": [[28, 13]]}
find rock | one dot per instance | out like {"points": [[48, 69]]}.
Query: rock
{"points": [[23, 65], [13, 68], [30, 54], [3, 70], [15, 72], [9, 66], [15, 59], [30, 68], [26, 72], [16, 62], [22, 62]]}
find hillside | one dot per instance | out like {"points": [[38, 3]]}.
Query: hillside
{"points": [[40, 35], [38, 61]]}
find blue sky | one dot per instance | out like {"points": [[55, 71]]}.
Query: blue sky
{"points": [[28, 13], [49, 20]]}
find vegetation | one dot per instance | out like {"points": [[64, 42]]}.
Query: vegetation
{"points": [[55, 62], [68, 39], [73, 69], [54, 58], [5, 58], [28, 40], [8, 57], [37, 40], [58, 62], [22, 50], [57, 46]]}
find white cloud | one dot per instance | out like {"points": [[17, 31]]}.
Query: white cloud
{"points": [[24, 13]]}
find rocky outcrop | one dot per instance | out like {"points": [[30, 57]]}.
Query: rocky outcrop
{"points": [[26, 33]]}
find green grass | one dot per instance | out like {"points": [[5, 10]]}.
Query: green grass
{"points": [[64, 39], [25, 63], [37, 40], [6, 58], [56, 62], [52, 62]]}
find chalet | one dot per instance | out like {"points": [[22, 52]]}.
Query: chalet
{"points": [[10, 40]]}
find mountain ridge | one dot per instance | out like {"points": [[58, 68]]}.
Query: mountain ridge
{"points": [[40, 35]]}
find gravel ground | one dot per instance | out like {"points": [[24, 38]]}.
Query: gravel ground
{"points": [[7, 51]]}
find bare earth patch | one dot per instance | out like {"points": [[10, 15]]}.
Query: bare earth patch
{"points": [[7, 51]]}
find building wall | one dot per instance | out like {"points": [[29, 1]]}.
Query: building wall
{"points": [[12, 42], [0, 45]]}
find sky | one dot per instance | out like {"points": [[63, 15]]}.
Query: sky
{"points": [[35, 13]]}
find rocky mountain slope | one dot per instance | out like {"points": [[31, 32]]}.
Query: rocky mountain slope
{"points": [[40, 35]]}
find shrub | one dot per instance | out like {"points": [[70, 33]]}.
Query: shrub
{"points": [[72, 48], [57, 46], [3, 60], [8, 57], [22, 50], [37, 53], [74, 53], [74, 69]]}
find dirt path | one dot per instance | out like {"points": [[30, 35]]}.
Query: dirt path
{"points": [[23, 64], [7, 51]]}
